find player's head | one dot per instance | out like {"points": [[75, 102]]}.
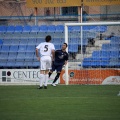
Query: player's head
{"points": [[64, 46], [48, 38]]}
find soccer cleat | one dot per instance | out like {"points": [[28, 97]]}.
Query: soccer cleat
{"points": [[40, 87], [45, 87], [53, 84]]}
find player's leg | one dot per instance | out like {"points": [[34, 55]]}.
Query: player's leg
{"points": [[48, 66], [52, 69], [58, 68], [42, 72]]}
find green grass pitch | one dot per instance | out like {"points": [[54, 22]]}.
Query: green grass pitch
{"points": [[72, 102]]}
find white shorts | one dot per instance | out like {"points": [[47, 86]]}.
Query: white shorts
{"points": [[45, 63]]}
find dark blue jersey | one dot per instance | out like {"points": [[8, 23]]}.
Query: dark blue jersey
{"points": [[60, 57]]}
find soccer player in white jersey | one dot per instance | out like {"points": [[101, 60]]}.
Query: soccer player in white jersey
{"points": [[46, 50]]}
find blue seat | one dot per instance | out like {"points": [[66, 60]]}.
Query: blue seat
{"points": [[105, 54], [15, 42], [3, 57], [114, 46], [114, 62], [5, 48], [57, 41], [3, 64], [13, 48], [29, 56], [23, 41], [30, 48], [22, 48], [7, 42], [39, 40], [59, 28], [2, 29], [19, 64], [11, 63], [73, 41], [114, 54], [86, 63], [12, 56], [32, 41], [18, 28], [43, 28], [73, 48], [35, 28], [51, 28], [36, 64], [106, 47], [20, 56], [95, 64], [26, 29], [10, 29], [96, 54], [28, 64], [57, 46]]}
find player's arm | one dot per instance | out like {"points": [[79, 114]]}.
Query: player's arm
{"points": [[53, 54], [37, 54]]}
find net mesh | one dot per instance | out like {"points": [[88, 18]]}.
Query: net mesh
{"points": [[94, 54]]}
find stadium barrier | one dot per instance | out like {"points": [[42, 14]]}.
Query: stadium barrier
{"points": [[92, 76]]}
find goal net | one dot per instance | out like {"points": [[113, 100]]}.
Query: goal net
{"points": [[94, 53]]}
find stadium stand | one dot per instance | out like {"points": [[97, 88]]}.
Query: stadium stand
{"points": [[17, 45]]}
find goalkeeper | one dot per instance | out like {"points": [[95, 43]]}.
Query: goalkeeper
{"points": [[60, 59]]}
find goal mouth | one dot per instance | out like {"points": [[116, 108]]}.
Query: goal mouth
{"points": [[92, 47]]}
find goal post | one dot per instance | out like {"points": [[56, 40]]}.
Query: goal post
{"points": [[81, 25]]}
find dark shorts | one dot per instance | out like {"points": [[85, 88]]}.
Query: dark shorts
{"points": [[58, 68]]}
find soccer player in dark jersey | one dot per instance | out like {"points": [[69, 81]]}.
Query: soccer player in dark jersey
{"points": [[60, 59]]}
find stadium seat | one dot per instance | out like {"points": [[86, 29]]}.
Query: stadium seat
{"points": [[18, 28], [105, 54], [19, 64], [12, 56], [26, 29], [13, 48], [57, 41], [3, 57], [22, 48], [3, 29], [106, 47], [114, 62], [7, 42], [28, 64], [30, 48], [39, 40], [96, 54], [32, 41], [5, 48], [43, 28], [57, 46], [86, 63], [10, 29], [15, 42], [114, 47], [36, 64], [114, 54], [73, 41], [73, 48], [11, 64], [51, 28], [23, 41], [3, 64], [20, 56], [34, 28], [59, 28], [29, 56]]}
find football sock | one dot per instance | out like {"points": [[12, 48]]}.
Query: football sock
{"points": [[56, 77], [50, 73], [46, 80], [42, 78]]}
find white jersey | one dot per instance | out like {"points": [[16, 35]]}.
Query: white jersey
{"points": [[45, 48]]}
